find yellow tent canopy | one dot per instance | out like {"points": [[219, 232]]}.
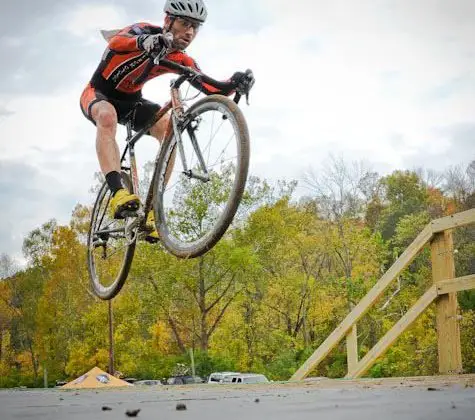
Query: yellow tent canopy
{"points": [[96, 378]]}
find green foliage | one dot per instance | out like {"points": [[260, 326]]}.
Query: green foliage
{"points": [[467, 332], [262, 300], [404, 194]]}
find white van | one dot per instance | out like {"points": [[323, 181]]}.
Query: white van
{"points": [[218, 377], [246, 378]]}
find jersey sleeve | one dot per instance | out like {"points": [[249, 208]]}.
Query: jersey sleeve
{"points": [[206, 88], [126, 40]]}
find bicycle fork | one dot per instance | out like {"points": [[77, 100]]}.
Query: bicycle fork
{"points": [[178, 121]]}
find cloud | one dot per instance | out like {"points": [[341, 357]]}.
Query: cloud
{"points": [[4, 112], [30, 198], [86, 21], [452, 145], [391, 82]]}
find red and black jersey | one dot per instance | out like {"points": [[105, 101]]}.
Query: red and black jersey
{"points": [[123, 62]]}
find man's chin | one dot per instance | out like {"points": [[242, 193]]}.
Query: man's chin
{"points": [[179, 44]]}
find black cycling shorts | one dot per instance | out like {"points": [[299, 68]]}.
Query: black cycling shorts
{"points": [[141, 111]]}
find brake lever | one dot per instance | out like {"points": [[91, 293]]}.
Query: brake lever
{"points": [[159, 56], [167, 47]]}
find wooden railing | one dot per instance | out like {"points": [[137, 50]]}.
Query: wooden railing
{"points": [[444, 291]]}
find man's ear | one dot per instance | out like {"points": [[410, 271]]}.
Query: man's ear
{"points": [[168, 22]]}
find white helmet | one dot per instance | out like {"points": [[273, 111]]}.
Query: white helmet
{"points": [[194, 9]]}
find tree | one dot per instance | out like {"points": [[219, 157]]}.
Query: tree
{"points": [[8, 266], [342, 189], [65, 298], [37, 244], [404, 194], [460, 185]]}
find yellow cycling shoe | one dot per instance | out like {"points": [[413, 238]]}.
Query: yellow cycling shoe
{"points": [[152, 236], [123, 203]]}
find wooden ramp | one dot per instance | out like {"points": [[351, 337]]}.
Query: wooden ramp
{"points": [[438, 234]]}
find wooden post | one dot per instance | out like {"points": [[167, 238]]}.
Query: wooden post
{"points": [[192, 358], [398, 328], [352, 349], [111, 339], [448, 332], [45, 375]]}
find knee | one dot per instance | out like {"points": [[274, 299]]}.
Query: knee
{"points": [[106, 118]]}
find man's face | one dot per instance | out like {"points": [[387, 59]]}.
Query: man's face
{"points": [[184, 32]]}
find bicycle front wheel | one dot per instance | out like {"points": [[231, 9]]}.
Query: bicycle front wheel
{"points": [[110, 246], [200, 180]]}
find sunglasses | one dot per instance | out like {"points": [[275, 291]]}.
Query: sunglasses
{"points": [[187, 24]]}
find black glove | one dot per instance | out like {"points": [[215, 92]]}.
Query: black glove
{"points": [[243, 82]]}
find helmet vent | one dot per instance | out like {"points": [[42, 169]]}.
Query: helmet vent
{"points": [[194, 9]]}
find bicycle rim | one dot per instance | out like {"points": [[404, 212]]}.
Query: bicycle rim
{"points": [[110, 249], [192, 214]]}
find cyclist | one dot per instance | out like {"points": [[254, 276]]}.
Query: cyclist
{"points": [[116, 88]]}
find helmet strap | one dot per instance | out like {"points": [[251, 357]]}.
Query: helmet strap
{"points": [[172, 19]]}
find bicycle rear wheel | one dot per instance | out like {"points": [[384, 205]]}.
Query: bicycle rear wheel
{"points": [[110, 246], [195, 203]]}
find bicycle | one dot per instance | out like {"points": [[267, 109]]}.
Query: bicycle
{"points": [[199, 173]]}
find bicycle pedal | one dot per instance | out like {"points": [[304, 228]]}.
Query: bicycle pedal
{"points": [[151, 240], [126, 213], [132, 206]]}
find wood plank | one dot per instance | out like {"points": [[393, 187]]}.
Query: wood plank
{"points": [[363, 306], [456, 285], [352, 348], [381, 347], [448, 331], [453, 221]]}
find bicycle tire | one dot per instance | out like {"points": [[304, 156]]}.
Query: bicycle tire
{"points": [[110, 291], [201, 246]]}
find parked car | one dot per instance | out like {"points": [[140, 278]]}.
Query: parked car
{"points": [[245, 378], [217, 377], [60, 383], [149, 382], [184, 380]]}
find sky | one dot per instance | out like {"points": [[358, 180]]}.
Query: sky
{"points": [[387, 82]]}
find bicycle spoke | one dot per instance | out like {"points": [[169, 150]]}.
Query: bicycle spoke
{"points": [[115, 251], [110, 247], [224, 151], [196, 204], [232, 158], [208, 146], [171, 186], [210, 135], [109, 196]]}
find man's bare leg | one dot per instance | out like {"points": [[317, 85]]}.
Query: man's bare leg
{"points": [[159, 129], [103, 113], [105, 117]]}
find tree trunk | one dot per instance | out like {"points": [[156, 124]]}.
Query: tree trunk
{"points": [[202, 304], [34, 362], [179, 342]]}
